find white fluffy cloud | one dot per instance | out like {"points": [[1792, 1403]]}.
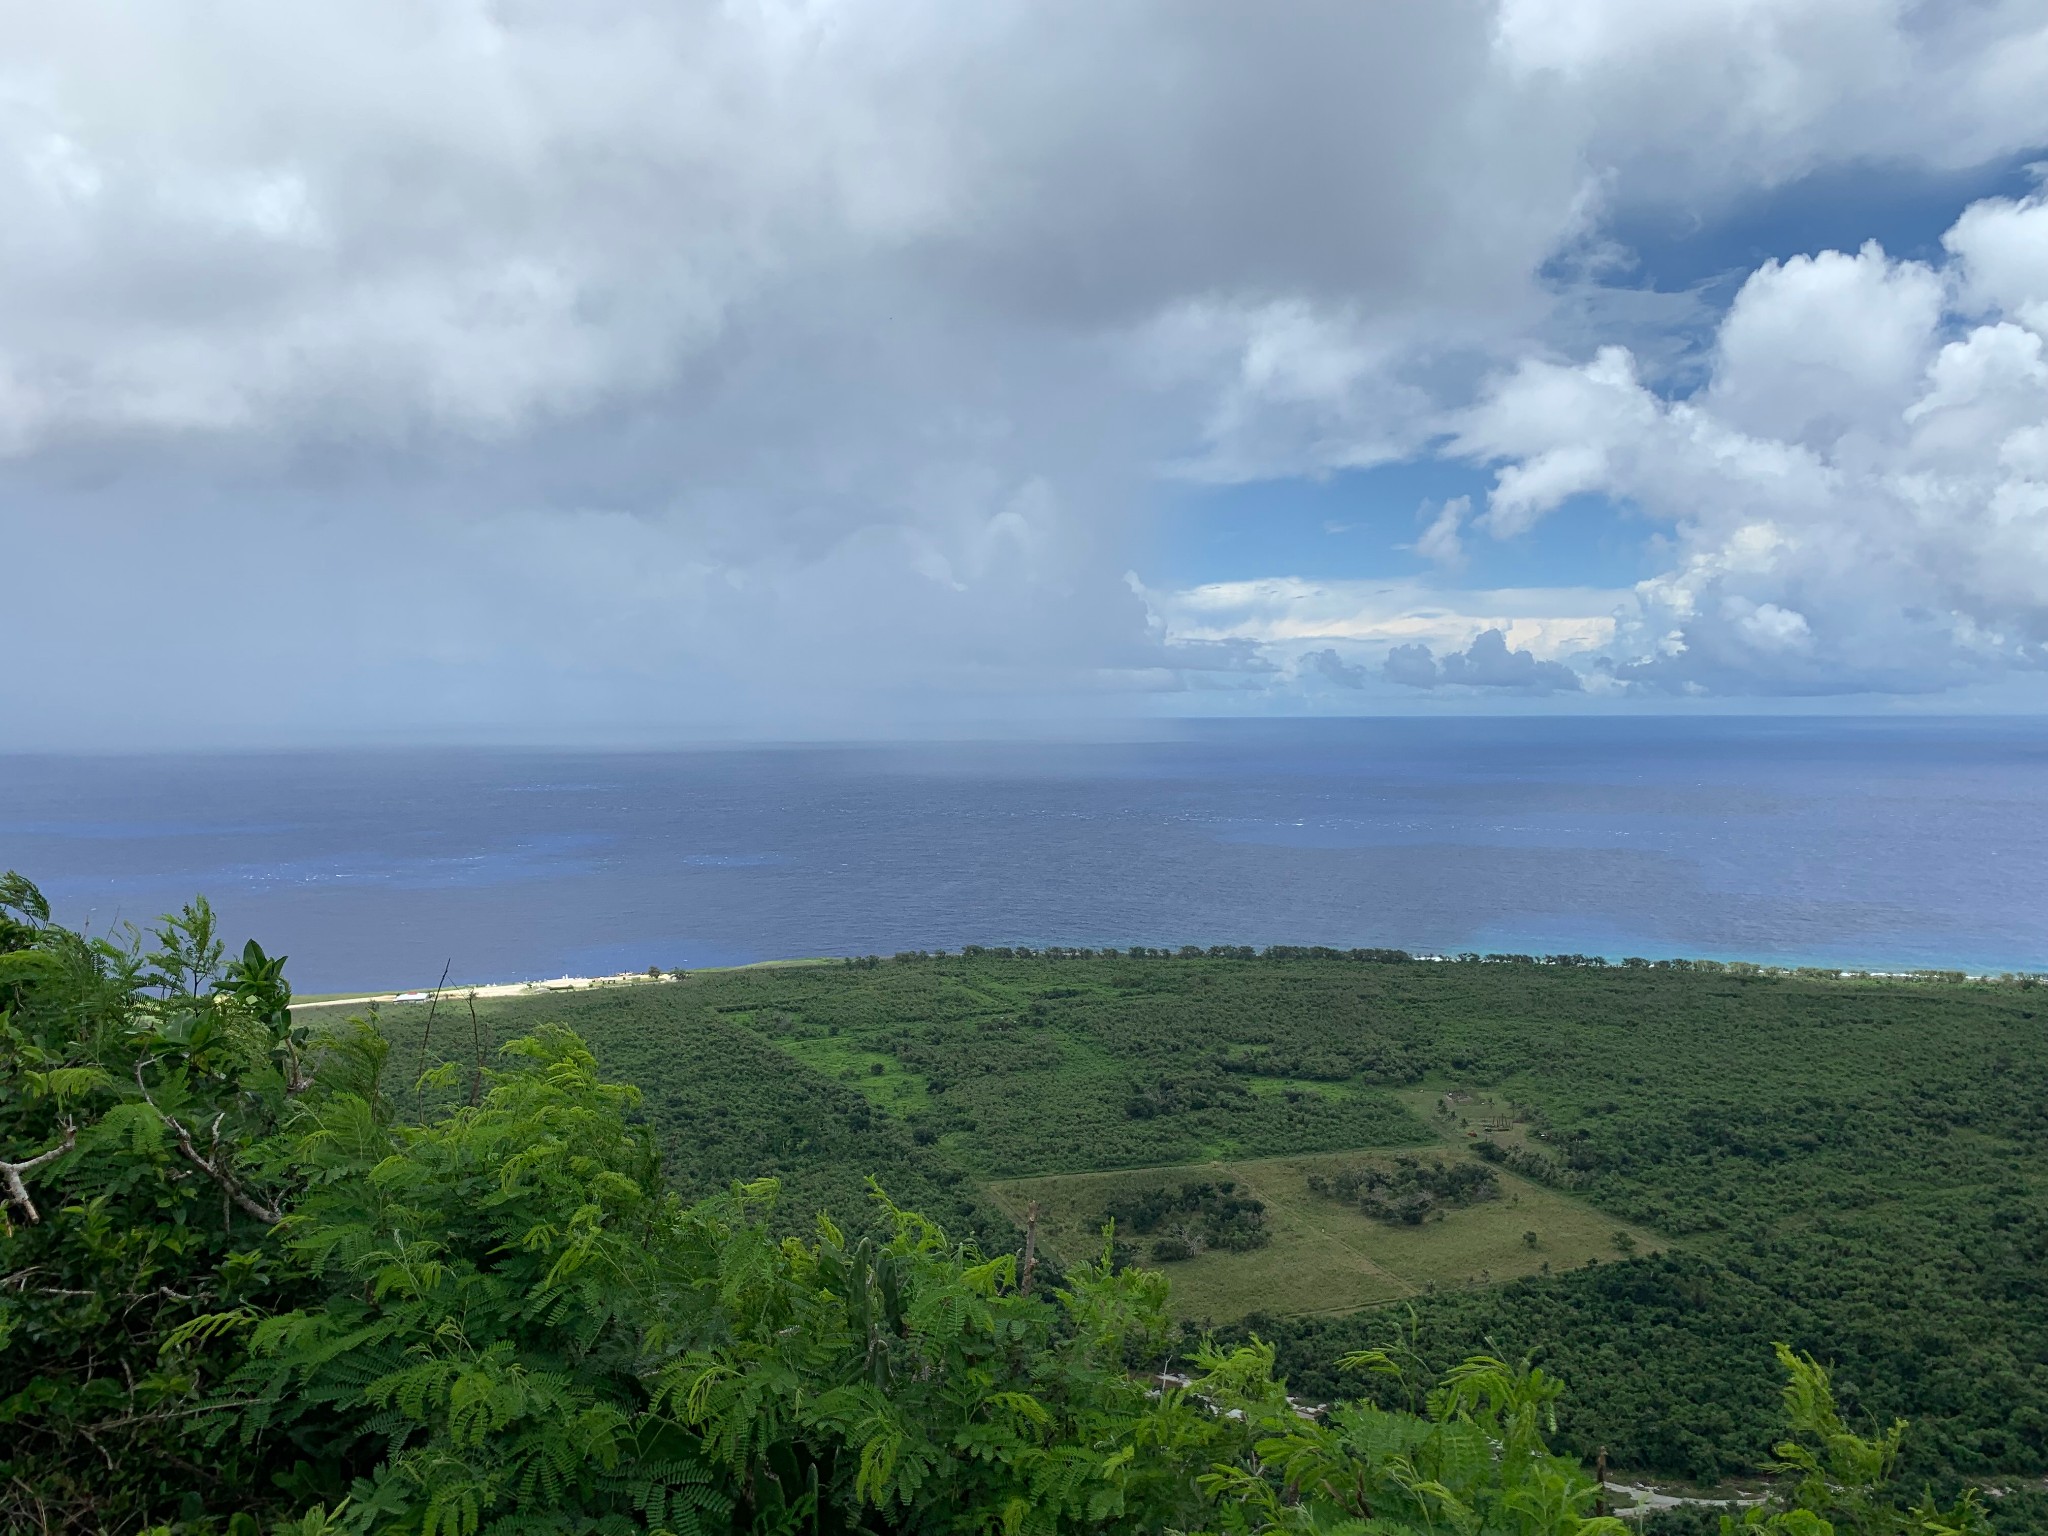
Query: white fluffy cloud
{"points": [[1859, 494], [1367, 637], [767, 364]]}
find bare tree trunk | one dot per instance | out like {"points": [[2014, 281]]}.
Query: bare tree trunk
{"points": [[1030, 1265], [419, 1096], [476, 1038]]}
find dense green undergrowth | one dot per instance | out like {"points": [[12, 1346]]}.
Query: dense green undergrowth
{"points": [[259, 1275]]}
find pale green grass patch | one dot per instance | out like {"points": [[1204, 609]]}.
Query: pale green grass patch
{"points": [[1277, 1087], [892, 1088], [1325, 1255]]}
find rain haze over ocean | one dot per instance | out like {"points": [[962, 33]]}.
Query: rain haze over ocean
{"points": [[1877, 844]]}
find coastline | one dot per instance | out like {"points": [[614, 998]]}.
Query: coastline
{"points": [[537, 988], [562, 984]]}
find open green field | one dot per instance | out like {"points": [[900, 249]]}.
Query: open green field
{"points": [[1855, 1167], [1326, 1257]]}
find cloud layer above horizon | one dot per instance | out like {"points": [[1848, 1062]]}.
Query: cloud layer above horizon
{"points": [[633, 371]]}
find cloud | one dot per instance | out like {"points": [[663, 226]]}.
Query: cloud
{"points": [[1358, 636], [1731, 93], [1412, 666], [1858, 495], [1817, 348], [693, 368], [1290, 614], [1488, 662], [1332, 668], [1688, 106], [690, 369], [2001, 247], [1440, 543]]}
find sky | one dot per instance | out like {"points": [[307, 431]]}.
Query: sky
{"points": [[650, 370]]}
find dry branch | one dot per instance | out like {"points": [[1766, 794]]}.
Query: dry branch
{"points": [[17, 1191], [214, 1167]]}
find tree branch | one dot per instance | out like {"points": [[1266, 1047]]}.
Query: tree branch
{"points": [[216, 1167], [17, 1192]]}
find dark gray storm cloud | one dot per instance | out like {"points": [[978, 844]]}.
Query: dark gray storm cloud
{"points": [[631, 370]]}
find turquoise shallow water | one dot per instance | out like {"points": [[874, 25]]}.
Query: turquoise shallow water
{"points": [[1886, 844]]}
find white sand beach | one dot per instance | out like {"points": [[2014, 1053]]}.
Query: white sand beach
{"points": [[490, 989]]}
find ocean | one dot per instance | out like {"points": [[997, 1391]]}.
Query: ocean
{"points": [[1883, 844]]}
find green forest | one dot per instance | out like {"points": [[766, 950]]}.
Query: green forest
{"points": [[1858, 1166], [725, 1253]]}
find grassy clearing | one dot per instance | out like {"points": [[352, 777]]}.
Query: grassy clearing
{"points": [[1460, 1112], [1021, 1076], [874, 1074], [1325, 1256], [1302, 1088]]}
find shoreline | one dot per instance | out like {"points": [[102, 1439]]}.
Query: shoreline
{"points": [[561, 984], [537, 988]]}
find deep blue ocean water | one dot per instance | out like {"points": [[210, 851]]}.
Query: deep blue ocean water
{"points": [[1887, 844]]}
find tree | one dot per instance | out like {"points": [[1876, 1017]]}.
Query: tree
{"points": [[139, 1082], [495, 1284], [1474, 1459], [1838, 1480]]}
